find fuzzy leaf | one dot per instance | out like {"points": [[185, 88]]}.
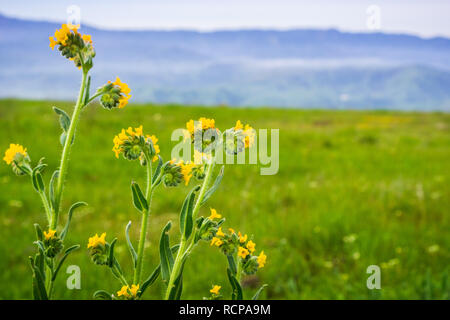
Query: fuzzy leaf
{"points": [[214, 187], [165, 253], [130, 245], [69, 219], [139, 200]]}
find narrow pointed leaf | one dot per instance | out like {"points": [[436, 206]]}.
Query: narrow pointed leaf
{"points": [[214, 187], [256, 296], [64, 119], [60, 263], [158, 169], [186, 219], [69, 218], [165, 253], [139, 200], [111, 253], [102, 295], [130, 245]]}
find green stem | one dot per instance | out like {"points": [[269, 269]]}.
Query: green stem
{"points": [[186, 244], [144, 224], [46, 207], [66, 151]]}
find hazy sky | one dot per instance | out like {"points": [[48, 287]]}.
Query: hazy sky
{"points": [[425, 18]]}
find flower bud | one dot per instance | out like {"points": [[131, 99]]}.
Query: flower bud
{"points": [[98, 249], [250, 265], [52, 243], [17, 157], [172, 174], [114, 94]]}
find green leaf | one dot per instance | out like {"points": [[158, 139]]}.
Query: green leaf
{"points": [[130, 245], [232, 264], [150, 280], [38, 282], [111, 253], [139, 200], [102, 295], [214, 187], [38, 229], [51, 191], [87, 90], [256, 296], [69, 218], [186, 219], [64, 119], [165, 253], [237, 289], [158, 169], [36, 179], [177, 289], [60, 263]]}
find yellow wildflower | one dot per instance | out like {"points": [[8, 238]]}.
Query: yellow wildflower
{"points": [[87, 38], [50, 234], [186, 171], [249, 136], [231, 230], [214, 214], [261, 259], [216, 241], [11, 152], [123, 100], [215, 290], [242, 238], [96, 240], [239, 125], [134, 290], [53, 42], [251, 246], [220, 233], [242, 252], [123, 292]]}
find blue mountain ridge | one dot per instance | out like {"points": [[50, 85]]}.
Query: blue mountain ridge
{"points": [[294, 68]]}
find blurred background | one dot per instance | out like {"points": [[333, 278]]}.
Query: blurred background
{"points": [[366, 184]]}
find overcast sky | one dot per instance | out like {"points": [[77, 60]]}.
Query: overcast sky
{"points": [[426, 18]]}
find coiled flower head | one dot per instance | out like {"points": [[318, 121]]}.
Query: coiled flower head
{"points": [[114, 94], [74, 46], [239, 137], [52, 243], [16, 156], [177, 171], [204, 129], [236, 243], [98, 249], [135, 145]]}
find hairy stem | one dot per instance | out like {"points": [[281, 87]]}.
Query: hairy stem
{"points": [[66, 151], [186, 244], [144, 224]]}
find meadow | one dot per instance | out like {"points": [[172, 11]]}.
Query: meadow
{"points": [[354, 188]]}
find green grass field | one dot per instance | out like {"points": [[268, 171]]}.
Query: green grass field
{"points": [[354, 189]]}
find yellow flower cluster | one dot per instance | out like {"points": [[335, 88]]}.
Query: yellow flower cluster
{"points": [[186, 169], [123, 100], [125, 291], [248, 132], [12, 151], [125, 135], [61, 35], [245, 247], [50, 234], [95, 241], [214, 214], [203, 123]]}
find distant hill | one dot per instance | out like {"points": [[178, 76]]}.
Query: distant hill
{"points": [[297, 68]]}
